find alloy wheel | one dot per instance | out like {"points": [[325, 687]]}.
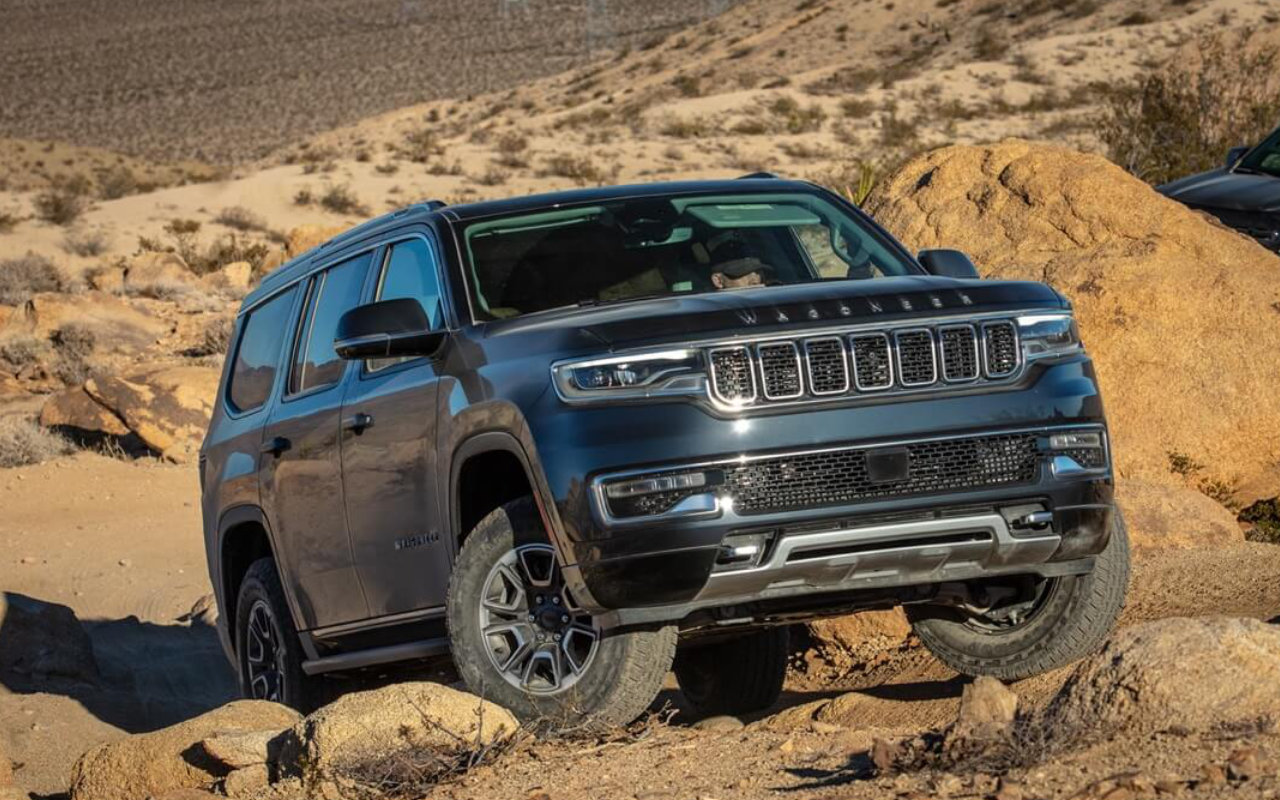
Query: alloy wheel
{"points": [[535, 634], [264, 654]]}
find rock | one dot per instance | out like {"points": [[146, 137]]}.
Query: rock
{"points": [[115, 325], [273, 260], [149, 270], [1164, 515], [1246, 763], [1009, 790], [148, 764], [841, 643], [106, 279], [234, 277], [43, 639], [365, 727], [203, 612], [885, 755], [305, 237], [987, 710], [246, 781], [1188, 674], [719, 724], [240, 750], [1179, 314], [75, 413]]}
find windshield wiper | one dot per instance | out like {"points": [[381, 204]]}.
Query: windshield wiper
{"points": [[589, 302]]}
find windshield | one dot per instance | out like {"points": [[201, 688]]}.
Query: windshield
{"points": [[1264, 158], [657, 246]]}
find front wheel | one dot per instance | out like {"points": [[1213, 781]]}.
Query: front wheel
{"points": [[520, 639], [1063, 620]]}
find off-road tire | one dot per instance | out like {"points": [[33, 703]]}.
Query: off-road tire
{"points": [[619, 684], [261, 584], [1073, 623], [736, 676]]}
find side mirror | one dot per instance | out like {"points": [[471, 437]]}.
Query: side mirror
{"points": [[948, 264], [386, 329], [1235, 154]]}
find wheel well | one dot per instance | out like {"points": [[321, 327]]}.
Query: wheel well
{"points": [[241, 546], [485, 482]]}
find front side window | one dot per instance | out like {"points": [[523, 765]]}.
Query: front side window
{"points": [[258, 353], [656, 246], [410, 272], [331, 294], [1264, 158]]}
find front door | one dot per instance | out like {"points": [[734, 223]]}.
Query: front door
{"points": [[389, 455], [302, 489]]}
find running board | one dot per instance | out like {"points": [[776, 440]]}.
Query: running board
{"points": [[378, 655]]}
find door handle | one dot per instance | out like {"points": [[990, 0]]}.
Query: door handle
{"points": [[357, 423], [276, 445]]}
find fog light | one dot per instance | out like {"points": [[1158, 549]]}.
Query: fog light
{"points": [[661, 483], [1078, 452], [742, 551]]}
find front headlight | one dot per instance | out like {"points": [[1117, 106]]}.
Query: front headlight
{"points": [[1048, 335], [665, 374]]}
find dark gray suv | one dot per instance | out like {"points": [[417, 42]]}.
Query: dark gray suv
{"points": [[576, 440]]}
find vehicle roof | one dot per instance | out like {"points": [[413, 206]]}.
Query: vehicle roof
{"points": [[421, 212]]}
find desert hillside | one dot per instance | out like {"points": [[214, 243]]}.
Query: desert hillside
{"points": [[163, 157]]}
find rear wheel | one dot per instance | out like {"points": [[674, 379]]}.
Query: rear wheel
{"points": [[268, 652], [1059, 621], [737, 676], [520, 638]]}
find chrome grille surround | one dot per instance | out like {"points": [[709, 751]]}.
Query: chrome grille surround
{"points": [[733, 376], [827, 365], [864, 361], [780, 370], [961, 359]]}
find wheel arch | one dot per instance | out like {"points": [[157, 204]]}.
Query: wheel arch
{"points": [[244, 537], [489, 470]]}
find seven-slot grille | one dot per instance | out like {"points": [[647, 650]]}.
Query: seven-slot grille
{"points": [[838, 477], [864, 362]]}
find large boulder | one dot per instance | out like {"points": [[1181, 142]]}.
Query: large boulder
{"points": [[1181, 314], [116, 326], [1163, 515], [1174, 674], [305, 237], [165, 411], [366, 728], [151, 764], [42, 640]]}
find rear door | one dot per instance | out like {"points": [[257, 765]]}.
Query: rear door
{"points": [[389, 453], [301, 464]]}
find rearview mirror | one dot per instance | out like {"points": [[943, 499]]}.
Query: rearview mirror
{"points": [[948, 264], [386, 329], [1234, 155]]}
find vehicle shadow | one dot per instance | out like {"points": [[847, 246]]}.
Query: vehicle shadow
{"points": [[148, 675]]}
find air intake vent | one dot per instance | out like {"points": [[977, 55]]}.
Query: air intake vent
{"points": [[731, 377], [1001, 345], [828, 372], [872, 366], [916, 366], [780, 368], [959, 353]]}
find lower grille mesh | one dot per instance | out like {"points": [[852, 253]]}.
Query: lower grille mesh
{"points": [[814, 480]]}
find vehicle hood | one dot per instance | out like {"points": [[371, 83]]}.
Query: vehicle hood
{"points": [[1221, 188], [752, 312]]}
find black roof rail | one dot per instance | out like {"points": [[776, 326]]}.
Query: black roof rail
{"points": [[435, 205], [755, 175]]}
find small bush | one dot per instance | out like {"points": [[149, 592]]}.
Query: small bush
{"points": [[687, 127], [493, 176], [341, 200], [8, 220], [241, 219], [215, 339], [23, 443], [580, 169], [1264, 515], [85, 242], [303, 197], [19, 352], [847, 80], [22, 277], [688, 85], [1182, 120], [796, 118], [420, 145], [116, 182], [63, 203], [990, 46]]}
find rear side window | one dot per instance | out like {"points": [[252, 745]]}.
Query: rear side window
{"points": [[410, 272], [332, 294], [258, 353]]}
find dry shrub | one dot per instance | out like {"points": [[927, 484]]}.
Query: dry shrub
{"points": [[340, 199], [241, 219], [22, 277], [23, 442], [1184, 119], [85, 242], [580, 169], [687, 127], [118, 181], [795, 118], [215, 339], [511, 147], [1264, 516], [73, 343], [64, 202], [493, 176], [8, 220], [18, 352], [420, 145]]}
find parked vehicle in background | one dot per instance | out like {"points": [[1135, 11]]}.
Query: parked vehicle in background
{"points": [[578, 440], [1244, 193]]}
